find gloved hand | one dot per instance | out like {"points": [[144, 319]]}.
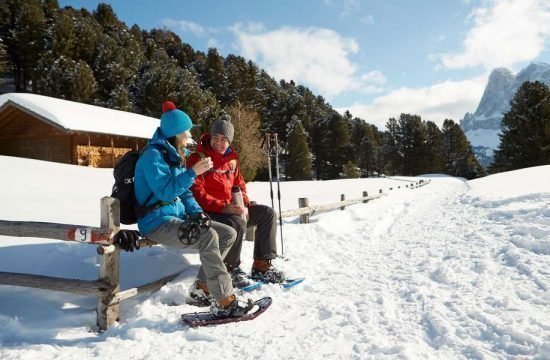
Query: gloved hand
{"points": [[128, 240]]}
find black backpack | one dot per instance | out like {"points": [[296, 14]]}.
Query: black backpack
{"points": [[123, 189]]}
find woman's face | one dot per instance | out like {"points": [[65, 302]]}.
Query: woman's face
{"points": [[219, 143], [184, 140]]}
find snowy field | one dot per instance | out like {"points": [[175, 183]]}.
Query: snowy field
{"points": [[452, 270]]}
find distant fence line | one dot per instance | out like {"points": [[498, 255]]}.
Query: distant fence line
{"points": [[305, 210], [107, 287]]}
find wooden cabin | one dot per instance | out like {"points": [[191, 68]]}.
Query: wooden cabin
{"points": [[44, 128]]}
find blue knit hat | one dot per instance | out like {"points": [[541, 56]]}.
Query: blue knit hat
{"points": [[173, 121]]}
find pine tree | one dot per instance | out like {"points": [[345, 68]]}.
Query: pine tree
{"points": [[120, 99], [392, 148], [351, 170], [3, 62], [460, 159], [83, 84], [247, 139], [299, 160], [434, 149], [525, 134], [64, 35], [370, 150], [65, 78], [22, 28], [88, 33], [413, 138], [107, 18], [172, 44], [161, 79], [338, 136], [214, 77], [119, 57]]}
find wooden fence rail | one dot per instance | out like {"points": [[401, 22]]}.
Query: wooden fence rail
{"points": [[81, 233], [107, 286], [305, 210], [81, 287], [310, 210]]}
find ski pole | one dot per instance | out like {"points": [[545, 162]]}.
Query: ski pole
{"points": [[277, 151]]}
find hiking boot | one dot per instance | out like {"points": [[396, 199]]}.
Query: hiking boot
{"points": [[199, 293], [240, 280], [263, 271], [231, 306]]}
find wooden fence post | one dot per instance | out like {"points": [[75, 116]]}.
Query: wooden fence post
{"points": [[380, 191], [302, 203], [365, 194], [109, 265], [342, 198]]}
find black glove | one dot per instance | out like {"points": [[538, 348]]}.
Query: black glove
{"points": [[128, 240]]}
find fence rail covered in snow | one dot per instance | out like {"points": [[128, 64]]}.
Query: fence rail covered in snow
{"points": [[107, 287]]}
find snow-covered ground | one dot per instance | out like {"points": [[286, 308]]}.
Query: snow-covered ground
{"points": [[454, 269]]}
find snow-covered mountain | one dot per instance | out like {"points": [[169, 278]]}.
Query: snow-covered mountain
{"points": [[483, 126]]}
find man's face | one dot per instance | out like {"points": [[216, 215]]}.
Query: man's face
{"points": [[219, 143]]}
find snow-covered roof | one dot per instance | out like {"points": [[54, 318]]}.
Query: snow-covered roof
{"points": [[74, 116]]}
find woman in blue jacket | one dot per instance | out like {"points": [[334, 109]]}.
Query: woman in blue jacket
{"points": [[162, 188]]}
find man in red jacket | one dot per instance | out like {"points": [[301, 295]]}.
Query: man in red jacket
{"points": [[212, 190]]}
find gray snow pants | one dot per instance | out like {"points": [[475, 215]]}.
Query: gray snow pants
{"points": [[265, 245], [213, 247]]}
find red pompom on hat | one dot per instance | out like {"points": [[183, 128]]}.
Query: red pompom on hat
{"points": [[168, 106]]}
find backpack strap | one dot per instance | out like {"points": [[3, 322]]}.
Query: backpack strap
{"points": [[142, 210]]}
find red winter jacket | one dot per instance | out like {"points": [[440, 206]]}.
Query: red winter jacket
{"points": [[212, 190]]}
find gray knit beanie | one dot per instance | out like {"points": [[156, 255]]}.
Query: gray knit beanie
{"points": [[223, 126]]}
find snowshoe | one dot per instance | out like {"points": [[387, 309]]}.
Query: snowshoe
{"points": [[207, 318], [241, 281], [263, 271], [238, 307]]}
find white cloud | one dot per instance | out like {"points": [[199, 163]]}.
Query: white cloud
{"points": [[350, 7], [187, 27], [316, 57], [369, 20], [445, 100], [504, 32], [213, 43]]}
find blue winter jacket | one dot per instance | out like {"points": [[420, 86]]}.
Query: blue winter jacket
{"points": [[166, 183]]}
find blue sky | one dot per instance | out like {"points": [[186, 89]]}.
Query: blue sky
{"points": [[377, 58]]}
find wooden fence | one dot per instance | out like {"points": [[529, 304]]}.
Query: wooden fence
{"points": [[305, 210], [107, 286]]}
